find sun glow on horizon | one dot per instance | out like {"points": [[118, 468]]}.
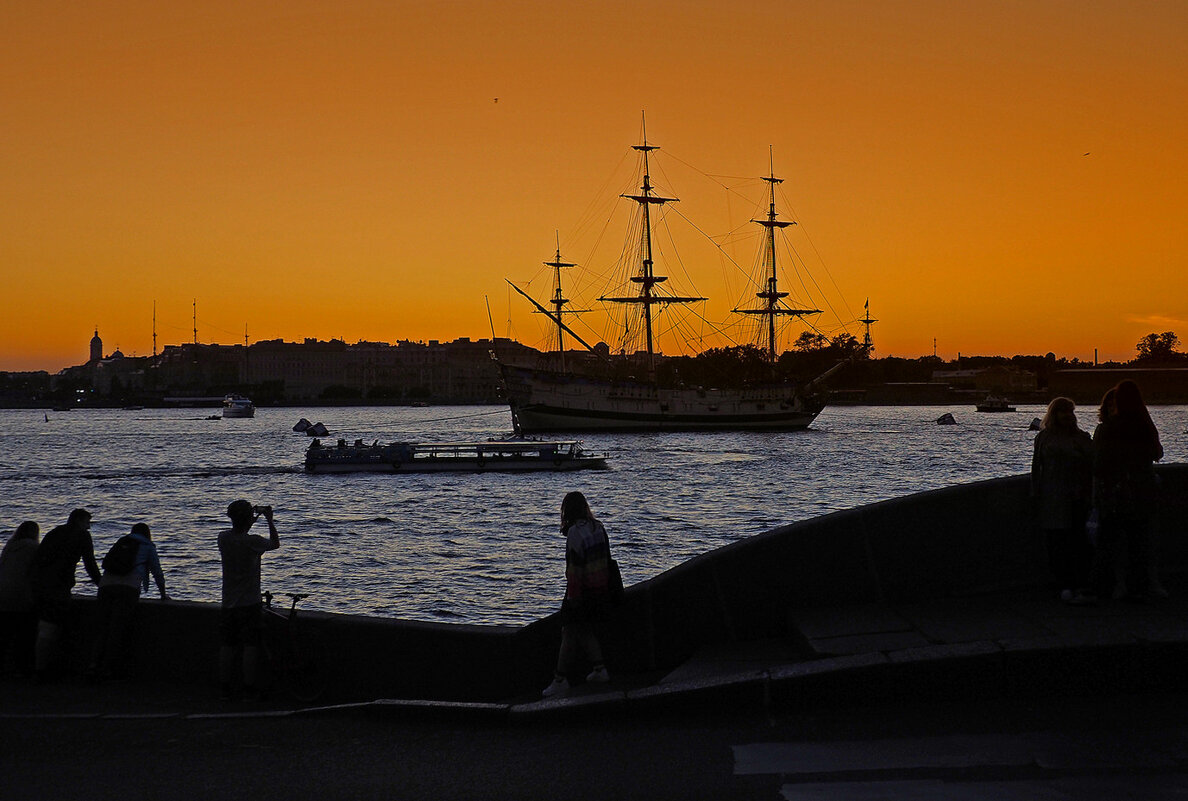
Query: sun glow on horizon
{"points": [[1004, 178]]}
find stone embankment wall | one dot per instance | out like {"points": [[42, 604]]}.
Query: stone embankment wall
{"points": [[957, 541]]}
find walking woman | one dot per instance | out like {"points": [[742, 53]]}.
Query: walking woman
{"points": [[1124, 492], [587, 593], [1062, 483]]}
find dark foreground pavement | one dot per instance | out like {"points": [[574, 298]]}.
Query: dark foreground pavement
{"points": [[1075, 748], [1011, 695]]}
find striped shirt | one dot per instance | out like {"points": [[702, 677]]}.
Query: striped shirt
{"points": [[587, 554]]}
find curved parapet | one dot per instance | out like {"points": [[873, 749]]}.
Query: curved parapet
{"points": [[964, 540]]}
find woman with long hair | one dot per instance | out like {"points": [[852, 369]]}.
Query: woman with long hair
{"points": [[587, 593], [18, 616], [1062, 481], [1124, 493]]}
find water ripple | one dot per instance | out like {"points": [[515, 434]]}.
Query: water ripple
{"points": [[477, 548]]}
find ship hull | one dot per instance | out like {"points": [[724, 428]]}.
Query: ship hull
{"points": [[543, 401]]}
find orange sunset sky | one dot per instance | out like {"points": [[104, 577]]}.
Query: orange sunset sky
{"points": [[1005, 177]]}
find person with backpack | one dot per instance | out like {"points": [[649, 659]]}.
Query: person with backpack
{"points": [[126, 570], [51, 575]]}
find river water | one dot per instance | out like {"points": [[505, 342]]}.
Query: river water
{"points": [[477, 548]]}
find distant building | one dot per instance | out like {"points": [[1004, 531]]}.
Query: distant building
{"points": [[1087, 386], [999, 379], [275, 371], [451, 372]]}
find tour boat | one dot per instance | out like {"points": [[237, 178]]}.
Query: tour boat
{"points": [[511, 456]]}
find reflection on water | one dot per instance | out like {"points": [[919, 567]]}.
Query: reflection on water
{"points": [[477, 548]]}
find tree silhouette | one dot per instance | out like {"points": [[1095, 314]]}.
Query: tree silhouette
{"points": [[1159, 348], [810, 340]]}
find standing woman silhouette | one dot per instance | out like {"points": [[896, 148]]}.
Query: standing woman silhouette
{"points": [[587, 593], [1062, 483], [1124, 491]]}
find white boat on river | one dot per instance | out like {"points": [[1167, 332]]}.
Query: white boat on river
{"points": [[238, 406], [434, 457]]}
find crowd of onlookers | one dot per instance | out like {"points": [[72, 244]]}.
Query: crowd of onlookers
{"points": [[37, 577]]}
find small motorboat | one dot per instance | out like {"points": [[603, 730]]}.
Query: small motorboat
{"points": [[238, 406], [512, 456], [993, 403]]}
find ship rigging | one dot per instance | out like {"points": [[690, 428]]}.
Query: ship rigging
{"points": [[562, 400]]}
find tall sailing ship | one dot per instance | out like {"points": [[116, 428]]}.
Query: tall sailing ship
{"points": [[554, 398]]}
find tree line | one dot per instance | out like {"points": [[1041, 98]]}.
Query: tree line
{"points": [[812, 353]]}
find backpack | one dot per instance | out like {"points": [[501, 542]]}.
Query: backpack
{"points": [[121, 559]]}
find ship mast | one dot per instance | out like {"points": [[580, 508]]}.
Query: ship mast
{"points": [[559, 300], [867, 320], [771, 295], [647, 279]]}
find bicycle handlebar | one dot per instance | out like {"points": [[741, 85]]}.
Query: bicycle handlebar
{"points": [[296, 596]]}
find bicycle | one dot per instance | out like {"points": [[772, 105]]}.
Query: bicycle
{"points": [[290, 670]]}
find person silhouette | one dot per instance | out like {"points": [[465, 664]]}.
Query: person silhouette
{"points": [[587, 593], [115, 609], [51, 576], [241, 622], [18, 616], [1125, 492], [1062, 483]]}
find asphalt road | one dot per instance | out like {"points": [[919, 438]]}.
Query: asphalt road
{"points": [[1083, 748]]}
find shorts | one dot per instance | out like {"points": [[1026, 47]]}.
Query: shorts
{"points": [[241, 625]]}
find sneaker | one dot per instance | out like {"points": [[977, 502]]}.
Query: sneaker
{"points": [[1066, 596], [1081, 599], [560, 686], [598, 675]]}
